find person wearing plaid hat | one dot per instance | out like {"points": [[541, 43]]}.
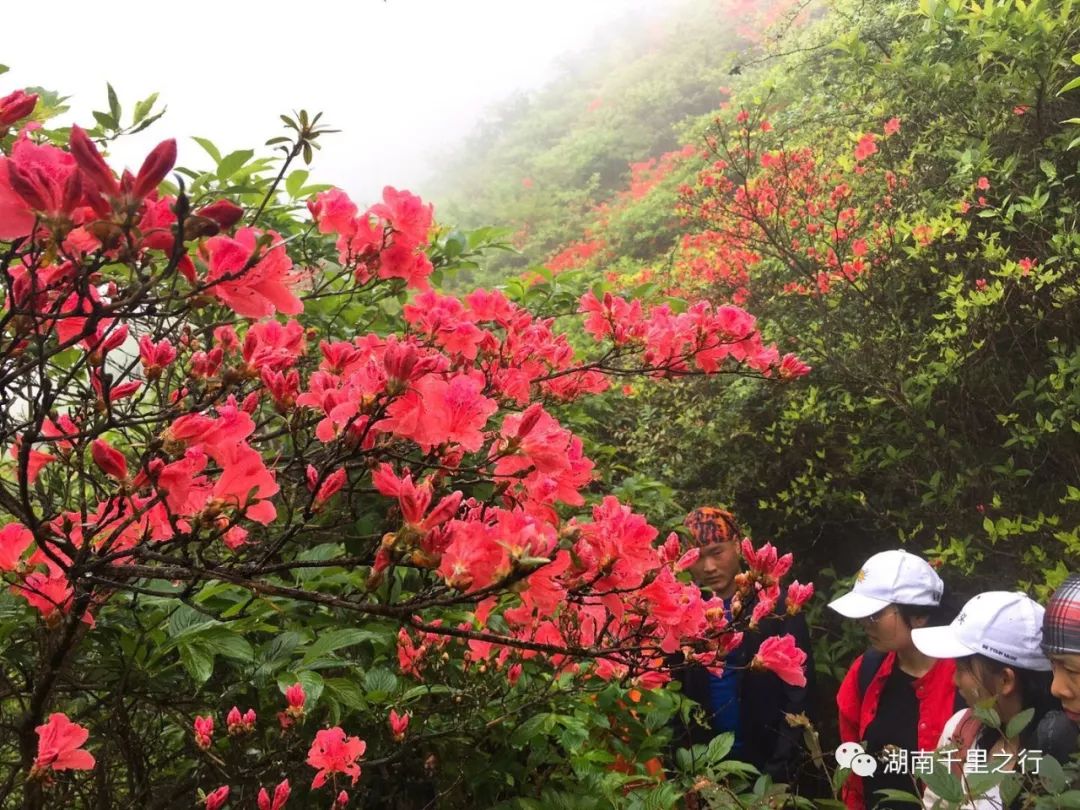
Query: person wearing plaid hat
{"points": [[1061, 644], [751, 704]]}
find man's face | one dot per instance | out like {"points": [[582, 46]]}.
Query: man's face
{"points": [[716, 568]]}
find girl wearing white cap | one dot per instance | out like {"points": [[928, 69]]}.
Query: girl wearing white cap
{"points": [[893, 695], [995, 641]]}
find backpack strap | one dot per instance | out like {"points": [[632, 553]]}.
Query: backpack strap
{"points": [[871, 662], [963, 738]]}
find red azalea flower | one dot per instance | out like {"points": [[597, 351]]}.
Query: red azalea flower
{"points": [[779, 654], [59, 746], [333, 752], [14, 540]]}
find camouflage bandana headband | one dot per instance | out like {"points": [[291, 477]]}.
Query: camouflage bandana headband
{"points": [[708, 525]]}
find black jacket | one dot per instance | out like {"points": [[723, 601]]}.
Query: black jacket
{"points": [[769, 743]]}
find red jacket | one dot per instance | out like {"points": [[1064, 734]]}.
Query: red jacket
{"points": [[937, 699]]}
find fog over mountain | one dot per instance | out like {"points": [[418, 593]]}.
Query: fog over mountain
{"points": [[403, 79]]}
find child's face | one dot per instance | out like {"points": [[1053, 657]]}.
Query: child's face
{"points": [[1066, 685], [969, 682]]}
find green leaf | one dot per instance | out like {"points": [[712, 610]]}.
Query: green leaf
{"points": [[185, 620], [891, 795], [537, 725], [742, 769], [1019, 723], [424, 690], [573, 736], [198, 661], [144, 107], [149, 121], [295, 181], [944, 784], [379, 682], [677, 305], [278, 652], [683, 760], [320, 553], [233, 162], [988, 716], [1010, 788], [456, 244], [336, 640], [114, 103], [1072, 85], [979, 784], [840, 776], [209, 147], [222, 641], [346, 692], [105, 121], [720, 747], [1051, 775]]}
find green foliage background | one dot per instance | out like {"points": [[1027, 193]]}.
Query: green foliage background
{"points": [[942, 412]]}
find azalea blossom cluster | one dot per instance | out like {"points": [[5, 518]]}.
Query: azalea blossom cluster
{"points": [[753, 201], [703, 334], [332, 751], [576, 255], [182, 418], [617, 589], [750, 201]]}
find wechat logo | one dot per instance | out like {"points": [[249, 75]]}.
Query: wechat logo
{"points": [[851, 755]]}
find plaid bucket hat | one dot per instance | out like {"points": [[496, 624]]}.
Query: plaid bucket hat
{"points": [[710, 524], [1061, 622]]}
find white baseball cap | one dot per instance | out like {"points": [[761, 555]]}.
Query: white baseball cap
{"points": [[890, 578], [1004, 626]]}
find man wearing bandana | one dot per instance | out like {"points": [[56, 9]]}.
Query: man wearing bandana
{"points": [[751, 704]]}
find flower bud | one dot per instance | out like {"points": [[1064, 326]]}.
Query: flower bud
{"points": [[154, 168], [92, 164], [109, 459], [218, 799], [225, 213], [15, 106]]}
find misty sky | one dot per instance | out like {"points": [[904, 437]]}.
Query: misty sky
{"points": [[402, 79]]}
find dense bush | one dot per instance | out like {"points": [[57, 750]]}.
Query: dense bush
{"points": [[891, 189], [278, 516]]}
